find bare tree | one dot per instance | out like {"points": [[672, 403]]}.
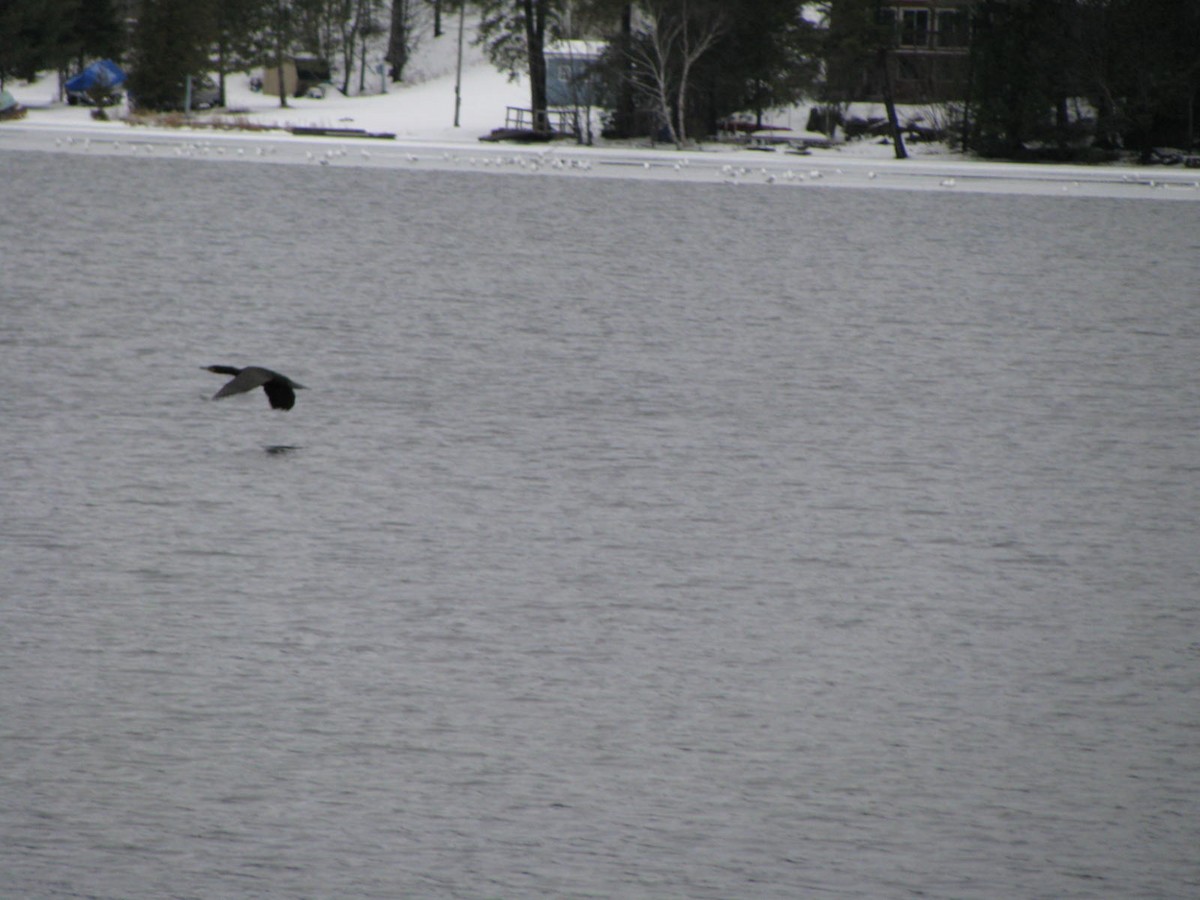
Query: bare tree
{"points": [[664, 50]]}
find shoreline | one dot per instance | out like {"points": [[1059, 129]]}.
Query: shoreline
{"points": [[707, 164], [416, 114]]}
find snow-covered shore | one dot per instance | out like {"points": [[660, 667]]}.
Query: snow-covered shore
{"points": [[421, 116]]}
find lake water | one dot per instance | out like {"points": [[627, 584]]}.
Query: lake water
{"points": [[636, 539]]}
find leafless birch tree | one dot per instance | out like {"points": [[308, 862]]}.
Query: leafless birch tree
{"points": [[672, 36]]}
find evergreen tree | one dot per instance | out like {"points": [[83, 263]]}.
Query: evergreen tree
{"points": [[1137, 63], [275, 39], [1023, 56], [769, 57], [613, 20], [1142, 71], [237, 24], [36, 35], [401, 23], [862, 36], [97, 31], [170, 42]]}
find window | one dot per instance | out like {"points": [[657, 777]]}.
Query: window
{"points": [[951, 28], [914, 28]]}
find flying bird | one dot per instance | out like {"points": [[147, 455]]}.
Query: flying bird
{"points": [[280, 389]]}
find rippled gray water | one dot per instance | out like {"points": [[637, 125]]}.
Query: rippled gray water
{"points": [[641, 540]]}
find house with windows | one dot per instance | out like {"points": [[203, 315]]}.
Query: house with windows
{"points": [[929, 51]]}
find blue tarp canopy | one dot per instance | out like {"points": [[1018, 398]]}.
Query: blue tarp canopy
{"points": [[102, 74]]}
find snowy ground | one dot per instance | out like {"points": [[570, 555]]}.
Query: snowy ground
{"points": [[421, 115]]}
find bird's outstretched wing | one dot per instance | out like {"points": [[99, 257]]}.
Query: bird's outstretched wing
{"points": [[246, 380]]}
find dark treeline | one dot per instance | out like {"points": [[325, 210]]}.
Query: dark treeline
{"points": [[163, 43], [1066, 74], [1050, 78]]}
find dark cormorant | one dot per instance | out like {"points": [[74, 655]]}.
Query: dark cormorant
{"points": [[280, 389]]}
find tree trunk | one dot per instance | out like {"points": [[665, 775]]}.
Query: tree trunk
{"points": [[694, 43], [625, 103], [362, 65], [1190, 116], [1062, 122], [889, 101], [535, 37], [668, 120], [349, 39], [279, 71], [968, 108], [397, 52], [221, 71], [280, 24], [655, 60], [685, 72]]}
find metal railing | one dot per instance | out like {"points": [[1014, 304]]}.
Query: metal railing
{"points": [[558, 121]]}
